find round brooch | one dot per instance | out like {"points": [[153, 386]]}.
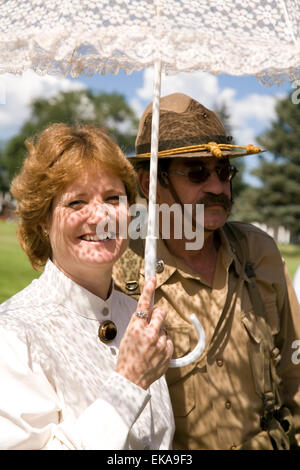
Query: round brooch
{"points": [[107, 331]]}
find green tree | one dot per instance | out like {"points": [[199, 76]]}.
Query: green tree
{"points": [[245, 207], [239, 184], [4, 185], [277, 201], [109, 111]]}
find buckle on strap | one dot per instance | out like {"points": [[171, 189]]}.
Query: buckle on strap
{"points": [[249, 270]]}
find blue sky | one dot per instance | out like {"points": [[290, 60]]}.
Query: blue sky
{"points": [[251, 104], [128, 84]]}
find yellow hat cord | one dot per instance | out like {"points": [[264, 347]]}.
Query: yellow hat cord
{"points": [[213, 147]]}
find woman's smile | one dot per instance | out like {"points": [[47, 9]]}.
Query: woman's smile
{"points": [[95, 238]]}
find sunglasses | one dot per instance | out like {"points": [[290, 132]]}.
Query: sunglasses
{"points": [[200, 174]]}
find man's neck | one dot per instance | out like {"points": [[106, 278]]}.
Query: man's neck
{"points": [[202, 262]]}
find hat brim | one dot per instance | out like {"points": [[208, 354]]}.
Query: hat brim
{"points": [[199, 154]]}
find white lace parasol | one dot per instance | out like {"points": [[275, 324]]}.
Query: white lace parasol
{"points": [[260, 37], [73, 37]]}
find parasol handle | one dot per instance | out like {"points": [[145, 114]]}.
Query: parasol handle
{"points": [[197, 351]]}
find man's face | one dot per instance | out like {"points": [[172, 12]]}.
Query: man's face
{"points": [[213, 193]]}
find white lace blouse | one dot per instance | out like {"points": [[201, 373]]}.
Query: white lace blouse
{"points": [[58, 387]]}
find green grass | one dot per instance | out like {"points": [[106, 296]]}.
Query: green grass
{"points": [[16, 271], [291, 255]]}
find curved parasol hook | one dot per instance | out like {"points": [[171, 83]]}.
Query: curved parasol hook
{"points": [[197, 351]]}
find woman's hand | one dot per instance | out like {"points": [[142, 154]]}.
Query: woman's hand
{"points": [[145, 350]]}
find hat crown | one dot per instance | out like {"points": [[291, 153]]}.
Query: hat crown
{"points": [[183, 122]]}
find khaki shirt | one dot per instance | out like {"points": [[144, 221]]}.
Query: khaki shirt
{"points": [[216, 400]]}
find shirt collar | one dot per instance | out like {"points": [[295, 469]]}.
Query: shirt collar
{"points": [[75, 297], [169, 261], [172, 264]]}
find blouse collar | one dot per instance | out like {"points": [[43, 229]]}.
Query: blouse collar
{"points": [[75, 297]]}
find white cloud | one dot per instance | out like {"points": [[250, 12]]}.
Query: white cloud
{"points": [[201, 86], [259, 108], [19, 91], [252, 115]]}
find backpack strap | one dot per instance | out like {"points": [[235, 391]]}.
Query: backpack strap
{"points": [[239, 246]]}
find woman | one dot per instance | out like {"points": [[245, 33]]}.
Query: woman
{"points": [[78, 370]]}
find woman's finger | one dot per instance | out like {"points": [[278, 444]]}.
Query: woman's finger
{"points": [[157, 319], [145, 302], [162, 338]]}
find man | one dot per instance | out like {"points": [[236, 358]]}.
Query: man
{"points": [[239, 393]]}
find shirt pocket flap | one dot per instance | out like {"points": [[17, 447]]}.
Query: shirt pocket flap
{"points": [[251, 326], [180, 336], [182, 346], [262, 327]]}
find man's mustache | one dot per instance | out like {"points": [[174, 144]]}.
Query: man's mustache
{"points": [[212, 199]]}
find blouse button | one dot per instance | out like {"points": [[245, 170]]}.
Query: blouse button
{"points": [[219, 362], [105, 311], [228, 405]]}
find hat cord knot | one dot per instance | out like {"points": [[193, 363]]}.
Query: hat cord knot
{"points": [[213, 147]]}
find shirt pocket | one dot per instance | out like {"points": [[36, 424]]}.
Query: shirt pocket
{"points": [[181, 379], [261, 341], [259, 326]]}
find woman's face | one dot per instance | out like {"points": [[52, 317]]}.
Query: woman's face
{"points": [[85, 224]]}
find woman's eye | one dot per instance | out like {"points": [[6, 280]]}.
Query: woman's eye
{"points": [[76, 204], [114, 198]]}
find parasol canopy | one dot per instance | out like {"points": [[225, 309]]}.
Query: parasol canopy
{"points": [[260, 37], [73, 37]]}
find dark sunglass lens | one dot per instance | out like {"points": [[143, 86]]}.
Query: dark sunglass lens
{"points": [[233, 172], [199, 175], [226, 173]]}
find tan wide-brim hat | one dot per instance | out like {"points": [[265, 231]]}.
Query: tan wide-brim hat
{"points": [[186, 129]]}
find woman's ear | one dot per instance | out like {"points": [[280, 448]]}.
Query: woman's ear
{"points": [[45, 226], [143, 180]]}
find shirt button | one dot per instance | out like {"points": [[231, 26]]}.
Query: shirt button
{"points": [[105, 311], [159, 266], [219, 362], [228, 405], [131, 286]]}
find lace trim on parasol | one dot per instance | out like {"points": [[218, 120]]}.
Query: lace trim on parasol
{"points": [[76, 37]]}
